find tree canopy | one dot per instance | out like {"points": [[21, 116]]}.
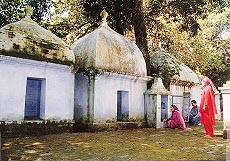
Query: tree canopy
{"points": [[189, 29], [13, 10]]}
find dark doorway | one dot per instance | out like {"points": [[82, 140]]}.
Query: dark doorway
{"points": [[122, 105], [33, 98], [164, 107], [186, 105]]}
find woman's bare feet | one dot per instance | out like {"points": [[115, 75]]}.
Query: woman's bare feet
{"points": [[187, 129]]}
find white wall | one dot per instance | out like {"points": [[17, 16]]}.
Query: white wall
{"points": [[59, 88], [105, 98], [196, 94], [177, 93]]}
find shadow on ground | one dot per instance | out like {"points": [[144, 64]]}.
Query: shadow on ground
{"points": [[136, 144]]}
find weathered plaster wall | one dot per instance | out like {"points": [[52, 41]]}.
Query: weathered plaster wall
{"points": [[196, 94], [58, 90], [105, 102], [150, 109], [105, 97], [177, 93]]}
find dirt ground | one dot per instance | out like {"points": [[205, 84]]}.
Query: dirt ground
{"points": [[137, 144]]}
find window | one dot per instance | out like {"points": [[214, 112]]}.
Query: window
{"points": [[34, 100], [122, 105]]}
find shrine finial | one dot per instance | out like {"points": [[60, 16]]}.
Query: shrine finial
{"points": [[28, 11], [104, 16]]}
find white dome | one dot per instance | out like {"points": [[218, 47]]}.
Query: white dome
{"points": [[26, 39], [186, 75], [104, 49]]}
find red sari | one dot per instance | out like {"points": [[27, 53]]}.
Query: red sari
{"points": [[208, 107]]}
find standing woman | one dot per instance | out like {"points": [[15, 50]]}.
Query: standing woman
{"points": [[208, 107]]}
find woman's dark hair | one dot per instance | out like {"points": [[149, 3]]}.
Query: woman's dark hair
{"points": [[174, 107], [193, 101]]}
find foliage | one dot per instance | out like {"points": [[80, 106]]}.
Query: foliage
{"points": [[175, 20], [84, 15], [68, 21], [164, 66], [172, 23], [40, 8], [13, 10], [189, 28], [197, 47], [183, 12], [10, 11], [214, 47], [120, 12]]}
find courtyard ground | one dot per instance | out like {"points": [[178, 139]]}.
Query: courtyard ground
{"points": [[136, 144]]}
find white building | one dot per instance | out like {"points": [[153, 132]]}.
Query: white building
{"points": [[36, 81], [111, 79], [183, 86]]}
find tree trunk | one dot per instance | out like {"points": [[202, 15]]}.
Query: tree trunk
{"points": [[140, 31], [117, 17]]}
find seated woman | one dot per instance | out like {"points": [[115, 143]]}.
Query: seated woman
{"points": [[176, 120]]}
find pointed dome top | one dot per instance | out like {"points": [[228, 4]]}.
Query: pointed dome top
{"points": [[26, 39], [28, 11], [104, 16], [104, 49], [158, 88]]}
